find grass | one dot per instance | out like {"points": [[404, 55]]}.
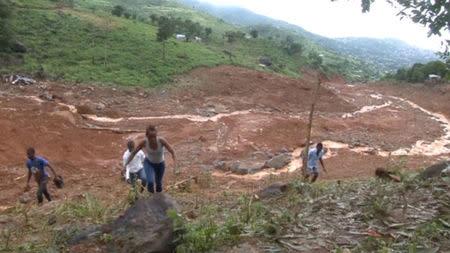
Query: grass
{"points": [[70, 46], [90, 210], [304, 211], [300, 213]]}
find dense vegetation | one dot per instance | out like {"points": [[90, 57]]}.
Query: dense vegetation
{"points": [[420, 72]]}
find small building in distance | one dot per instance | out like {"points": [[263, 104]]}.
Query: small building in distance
{"points": [[433, 79]]}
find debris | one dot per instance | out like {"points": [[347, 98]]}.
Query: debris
{"points": [[17, 79], [385, 174]]}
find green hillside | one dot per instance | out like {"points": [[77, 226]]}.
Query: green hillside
{"points": [[81, 41], [387, 55]]}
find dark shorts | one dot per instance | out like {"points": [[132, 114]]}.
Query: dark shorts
{"points": [[313, 169]]}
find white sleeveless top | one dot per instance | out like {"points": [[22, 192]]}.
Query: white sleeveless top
{"points": [[155, 155]]}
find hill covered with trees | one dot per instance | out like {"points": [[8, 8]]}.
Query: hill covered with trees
{"points": [[386, 54]]}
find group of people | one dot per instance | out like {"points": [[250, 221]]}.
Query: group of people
{"points": [[145, 161]]}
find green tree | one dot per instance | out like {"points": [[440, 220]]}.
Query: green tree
{"points": [[416, 73], [5, 31], [315, 60], [232, 36], [118, 10], [291, 47], [166, 28], [154, 19], [402, 74], [436, 67], [208, 32], [254, 33], [191, 29]]}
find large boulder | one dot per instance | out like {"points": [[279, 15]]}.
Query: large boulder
{"points": [[246, 167], [266, 61], [144, 227], [273, 190], [278, 161], [434, 170]]}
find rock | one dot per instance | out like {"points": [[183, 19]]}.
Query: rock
{"points": [[261, 155], [278, 161], [371, 151], [240, 171], [219, 108], [220, 165], [144, 227], [84, 109], [47, 96], [266, 61], [51, 220], [18, 47], [354, 144], [283, 150], [446, 172], [99, 106], [434, 170], [272, 190], [25, 198], [247, 167]]}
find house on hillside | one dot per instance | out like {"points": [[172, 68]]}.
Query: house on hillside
{"points": [[180, 37], [433, 79]]}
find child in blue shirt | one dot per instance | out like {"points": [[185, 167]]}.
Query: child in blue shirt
{"points": [[36, 167]]}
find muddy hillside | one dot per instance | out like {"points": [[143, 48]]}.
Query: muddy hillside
{"points": [[226, 120]]}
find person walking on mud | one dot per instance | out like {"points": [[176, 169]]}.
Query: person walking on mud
{"points": [[314, 156], [36, 167], [154, 163], [134, 170]]}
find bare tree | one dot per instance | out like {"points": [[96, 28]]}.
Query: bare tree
{"points": [[310, 119]]}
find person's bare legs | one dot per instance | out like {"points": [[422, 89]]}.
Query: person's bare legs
{"points": [[315, 176]]}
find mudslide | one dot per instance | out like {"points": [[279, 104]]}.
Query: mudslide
{"points": [[83, 130]]}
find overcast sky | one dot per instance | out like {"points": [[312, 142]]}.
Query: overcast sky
{"points": [[342, 18]]}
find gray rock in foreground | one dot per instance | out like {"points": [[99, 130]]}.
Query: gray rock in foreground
{"points": [[273, 190], [144, 227], [434, 170]]}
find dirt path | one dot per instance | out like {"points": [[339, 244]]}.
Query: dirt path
{"points": [[246, 113]]}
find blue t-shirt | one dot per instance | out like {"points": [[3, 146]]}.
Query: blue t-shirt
{"points": [[38, 163], [313, 158]]}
